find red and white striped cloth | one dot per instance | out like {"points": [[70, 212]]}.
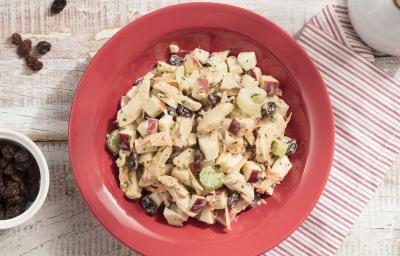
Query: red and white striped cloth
{"points": [[366, 104]]}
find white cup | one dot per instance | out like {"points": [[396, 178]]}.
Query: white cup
{"points": [[377, 22], [19, 138]]}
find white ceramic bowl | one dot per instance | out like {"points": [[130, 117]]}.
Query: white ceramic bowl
{"points": [[377, 22], [27, 143]]}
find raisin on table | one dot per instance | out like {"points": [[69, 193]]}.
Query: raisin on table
{"points": [[58, 6], [24, 49], [33, 63], [16, 39], [43, 47]]}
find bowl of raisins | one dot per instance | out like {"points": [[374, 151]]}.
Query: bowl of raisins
{"points": [[24, 178]]}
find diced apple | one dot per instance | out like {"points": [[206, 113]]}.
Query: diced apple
{"points": [[248, 81], [173, 48], [247, 60], [165, 123], [209, 146], [270, 84], [151, 126], [153, 107], [198, 203], [224, 54], [255, 73], [191, 64], [203, 86], [142, 128], [254, 177], [249, 167], [233, 65], [201, 55], [229, 82], [162, 67], [124, 141], [281, 167]]}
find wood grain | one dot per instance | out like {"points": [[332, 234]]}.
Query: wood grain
{"points": [[38, 105]]}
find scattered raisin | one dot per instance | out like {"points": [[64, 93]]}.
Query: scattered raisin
{"points": [[8, 152], [234, 127], [175, 60], [16, 39], [269, 109], [58, 6], [148, 205], [233, 198], [132, 161], [292, 147], [43, 47], [33, 63], [24, 49], [183, 111], [213, 100]]}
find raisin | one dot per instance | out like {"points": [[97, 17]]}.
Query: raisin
{"points": [[10, 170], [233, 198], [213, 100], [43, 47], [58, 6], [183, 111], [2, 212], [33, 63], [18, 199], [148, 205], [14, 211], [269, 109], [172, 112], [24, 49], [22, 156], [16, 39], [22, 166], [198, 156], [175, 60], [234, 127], [132, 161], [292, 147], [11, 190], [3, 163], [8, 152]]}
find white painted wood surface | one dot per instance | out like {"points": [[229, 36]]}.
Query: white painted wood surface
{"points": [[38, 105]]}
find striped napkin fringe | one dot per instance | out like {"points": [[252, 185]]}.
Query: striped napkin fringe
{"points": [[366, 104]]}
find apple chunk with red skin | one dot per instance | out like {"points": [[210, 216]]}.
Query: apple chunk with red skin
{"points": [[270, 84]]}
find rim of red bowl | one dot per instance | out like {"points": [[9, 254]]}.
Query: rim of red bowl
{"points": [[139, 243]]}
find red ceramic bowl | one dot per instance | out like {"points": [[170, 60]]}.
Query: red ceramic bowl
{"points": [[129, 55]]}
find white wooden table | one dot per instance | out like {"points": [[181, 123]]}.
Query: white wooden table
{"points": [[38, 105]]}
